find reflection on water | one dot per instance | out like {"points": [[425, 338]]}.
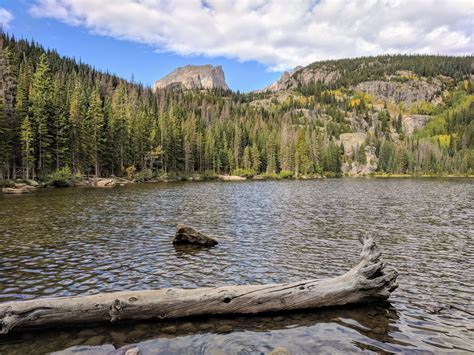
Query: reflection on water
{"points": [[80, 241]]}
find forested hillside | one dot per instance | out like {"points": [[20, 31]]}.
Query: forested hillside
{"points": [[393, 114]]}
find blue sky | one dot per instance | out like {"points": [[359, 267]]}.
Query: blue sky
{"points": [[124, 57], [254, 40]]}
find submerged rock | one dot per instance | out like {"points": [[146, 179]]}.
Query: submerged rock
{"points": [[188, 235], [279, 350]]}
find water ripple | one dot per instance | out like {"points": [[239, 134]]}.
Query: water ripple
{"points": [[85, 241]]}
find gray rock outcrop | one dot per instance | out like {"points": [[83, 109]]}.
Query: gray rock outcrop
{"points": [[355, 168], [303, 77], [413, 122], [407, 92], [351, 141], [188, 235], [194, 77]]}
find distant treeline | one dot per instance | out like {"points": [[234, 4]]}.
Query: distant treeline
{"points": [[57, 113]]}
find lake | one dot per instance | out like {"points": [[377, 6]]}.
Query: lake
{"points": [[74, 241]]}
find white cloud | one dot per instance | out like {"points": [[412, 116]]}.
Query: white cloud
{"points": [[5, 17], [278, 33]]}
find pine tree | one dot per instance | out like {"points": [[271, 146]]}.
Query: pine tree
{"points": [[28, 152], [302, 155], [95, 119], [256, 162], [246, 159], [40, 111]]}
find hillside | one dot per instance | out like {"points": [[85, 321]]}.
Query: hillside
{"points": [[389, 114]]}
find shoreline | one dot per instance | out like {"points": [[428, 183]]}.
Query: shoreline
{"points": [[18, 186]]}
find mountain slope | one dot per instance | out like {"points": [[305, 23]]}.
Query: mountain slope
{"points": [[62, 117]]}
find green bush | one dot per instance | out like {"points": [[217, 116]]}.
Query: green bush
{"points": [[271, 176], [286, 174], [143, 175], [61, 178], [247, 173], [209, 175], [170, 176], [7, 183]]}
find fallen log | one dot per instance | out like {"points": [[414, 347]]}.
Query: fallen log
{"points": [[368, 280]]}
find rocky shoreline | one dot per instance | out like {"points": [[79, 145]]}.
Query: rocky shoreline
{"points": [[22, 187]]}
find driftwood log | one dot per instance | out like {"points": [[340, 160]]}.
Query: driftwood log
{"points": [[368, 280]]}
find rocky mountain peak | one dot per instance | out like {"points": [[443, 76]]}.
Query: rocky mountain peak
{"points": [[301, 76], [194, 77]]}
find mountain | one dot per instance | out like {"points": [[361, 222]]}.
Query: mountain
{"points": [[303, 77], [391, 76], [194, 77], [375, 115]]}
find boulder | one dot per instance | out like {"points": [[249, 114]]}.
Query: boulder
{"points": [[105, 183], [18, 189], [188, 235], [232, 178]]}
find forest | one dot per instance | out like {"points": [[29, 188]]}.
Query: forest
{"points": [[60, 115]]}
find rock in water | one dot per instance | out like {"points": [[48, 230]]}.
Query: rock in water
{"points": [[194, 77], [188, 235]]}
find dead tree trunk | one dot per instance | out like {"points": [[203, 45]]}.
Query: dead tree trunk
{"points": [[368, 280]]}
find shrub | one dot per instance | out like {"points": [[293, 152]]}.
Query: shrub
{"points": [[209, 175], [247, 173], [286, 174], [143, 175], [170, 176], [61, 178], [7, 183]]}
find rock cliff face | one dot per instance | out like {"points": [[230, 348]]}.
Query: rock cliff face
{"points": [[194, 77], [352, 141], [407, 92], [412, 122], [302, 77]]}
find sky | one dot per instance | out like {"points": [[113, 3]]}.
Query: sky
{"points": [[253, 40]]}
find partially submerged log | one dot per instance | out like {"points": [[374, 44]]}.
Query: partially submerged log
{"points": [[188, 235], [368, 280]]}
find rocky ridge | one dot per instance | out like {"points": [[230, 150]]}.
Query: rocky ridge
{"points": [[303, 77], [194, 77]]}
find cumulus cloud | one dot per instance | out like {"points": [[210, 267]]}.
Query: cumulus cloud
{"points": [[5, 17], [280, 34]]}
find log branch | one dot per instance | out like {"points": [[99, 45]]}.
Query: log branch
{"points": [[368, 280]]}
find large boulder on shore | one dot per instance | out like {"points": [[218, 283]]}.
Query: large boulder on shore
{"points": [[105, 182], [18, 189], [189, 235]]}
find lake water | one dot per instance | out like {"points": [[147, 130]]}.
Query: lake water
{"points": [[75, 241]]}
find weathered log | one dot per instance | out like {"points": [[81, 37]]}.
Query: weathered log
{"points": [[368, 280]]}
